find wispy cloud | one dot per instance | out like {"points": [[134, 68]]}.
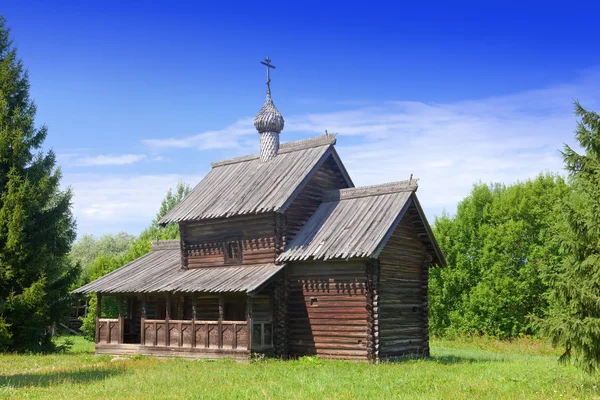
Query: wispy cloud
{"points": [[123, 159], [110, 203], [449, 146], [452, 146], [227, 138]]}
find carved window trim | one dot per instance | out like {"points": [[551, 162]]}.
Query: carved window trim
{"points": [[232, 251]]}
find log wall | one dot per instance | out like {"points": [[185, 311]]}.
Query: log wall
{"points": [[327, 177], [402, 297], [327, 309], [203, 241]]}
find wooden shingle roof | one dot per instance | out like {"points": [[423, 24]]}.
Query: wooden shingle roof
{"points": [[245, 185], [160, 271], [356, 223]]}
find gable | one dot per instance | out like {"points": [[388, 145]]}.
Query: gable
{"points": [[246, 185], [357, 222], [415, 217], [326, 177]]}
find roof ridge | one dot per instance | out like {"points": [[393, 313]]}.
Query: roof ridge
{"points": [[317, 141], [409, 185], [165, 245]]}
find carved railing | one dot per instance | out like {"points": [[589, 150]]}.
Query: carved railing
{"points": [[229, 335], [109, 331]]}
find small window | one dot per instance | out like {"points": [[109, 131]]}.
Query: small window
{"points": [[232, 252]]}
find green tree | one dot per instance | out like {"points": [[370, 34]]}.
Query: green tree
{"points": [[89, 247], [497, 248], [105, 263], [573, 320], [36, 224]]}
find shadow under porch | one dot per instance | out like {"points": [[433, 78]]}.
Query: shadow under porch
{"points": [[190, 325]]}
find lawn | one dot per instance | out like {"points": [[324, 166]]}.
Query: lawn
{"points": [[474, 368]]}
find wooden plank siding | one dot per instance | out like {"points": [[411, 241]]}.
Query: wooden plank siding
{"points": [[402, 298], [327, 309], [327, 177], [203, 241]]}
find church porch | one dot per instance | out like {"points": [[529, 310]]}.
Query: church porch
{"points": [[189, 325]]}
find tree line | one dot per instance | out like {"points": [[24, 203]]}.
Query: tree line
{"points": [[523, 259]]}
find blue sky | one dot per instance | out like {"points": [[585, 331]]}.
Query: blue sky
{"points": [[139, 95]]}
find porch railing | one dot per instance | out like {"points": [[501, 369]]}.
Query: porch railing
{"points": [[231, 335], [109, 331]]}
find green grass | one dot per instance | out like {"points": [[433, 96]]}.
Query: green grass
{"points": [[466, 368]]}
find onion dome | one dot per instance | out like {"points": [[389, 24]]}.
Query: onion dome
{"points": [[269, 119], [268, 122]]}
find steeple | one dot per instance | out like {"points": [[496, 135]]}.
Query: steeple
{"points": [[268, 122]]}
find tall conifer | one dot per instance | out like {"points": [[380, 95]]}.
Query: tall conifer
{"points": [[574, 319], [36, 224]]}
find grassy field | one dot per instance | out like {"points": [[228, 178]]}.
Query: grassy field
{"points": [[474, 368]]}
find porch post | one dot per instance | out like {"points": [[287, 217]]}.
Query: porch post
{"points": [[194, 304], [249, 320], [98, 315], [143, 328], [121, 330], [167, 318], [220, 327]]}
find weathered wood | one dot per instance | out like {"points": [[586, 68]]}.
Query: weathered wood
{"points": [[161, 351], [204, 241], [327, 177], [167, 319], [220, 327], [249, 321], [143, 320], [121, 328], [98, 315], [327, 305], [402, 306], [194, 315]]}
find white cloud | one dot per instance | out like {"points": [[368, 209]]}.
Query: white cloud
{"points": [[452, 146], [448, 146], [226, 138], [123, 159], [105, 203]]}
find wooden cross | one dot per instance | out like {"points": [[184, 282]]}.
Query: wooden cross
{"points": [[267, 62]]}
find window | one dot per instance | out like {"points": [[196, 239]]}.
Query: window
{"points": [[232, 252]]}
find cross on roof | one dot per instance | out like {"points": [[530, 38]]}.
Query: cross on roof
{"points": [[267, 62]]}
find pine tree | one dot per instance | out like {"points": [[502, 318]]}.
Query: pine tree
{"points": [[36, 224], [573, 322]]}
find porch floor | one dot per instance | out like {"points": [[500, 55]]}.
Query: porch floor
{"points": [[168, 351]]}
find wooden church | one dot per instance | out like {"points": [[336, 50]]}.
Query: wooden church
{"points": [[279, 254]]}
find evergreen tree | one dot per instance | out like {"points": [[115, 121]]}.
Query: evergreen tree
{"points": [[573, 321], [36, 224]]}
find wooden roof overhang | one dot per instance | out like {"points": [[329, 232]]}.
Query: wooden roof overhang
{"points": [[160, 271], [245, 185], [358, 222]]}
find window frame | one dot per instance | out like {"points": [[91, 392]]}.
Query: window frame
{"points": [[229, 257]]}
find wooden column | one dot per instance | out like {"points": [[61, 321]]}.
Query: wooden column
{"points": [[249, 320], [143, 323], [424, 294], [98, 315], [194, 313], [220, 327], [167, 318], [121, 330], [279, 316]]}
